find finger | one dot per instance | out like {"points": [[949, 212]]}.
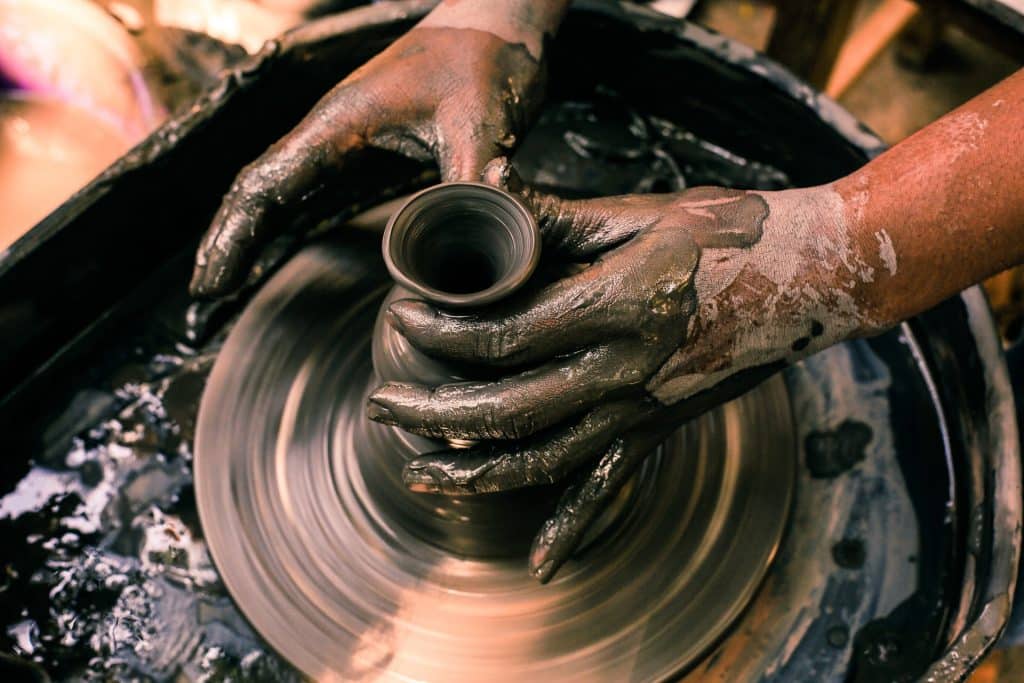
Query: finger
{"points": [[243, 222], [531, 327], [514, 407], [464, 157], [584, 500], [546, 460], [586, 227], [580, 228], [286, 174]]}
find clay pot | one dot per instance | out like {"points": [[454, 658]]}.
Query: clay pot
{"points": [[459, 246]]}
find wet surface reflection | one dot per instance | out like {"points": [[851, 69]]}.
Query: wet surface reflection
{"points": [[107, 575]]}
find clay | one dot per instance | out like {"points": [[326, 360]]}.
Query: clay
{"points": [[683, 291], [345, 571], [831, 453], [849, 553], [461, 245]]}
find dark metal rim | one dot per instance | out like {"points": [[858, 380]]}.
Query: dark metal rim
{"points": [[989, 470]]}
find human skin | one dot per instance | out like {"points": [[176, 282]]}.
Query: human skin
{"points": [[458, 90], [693, 297]]}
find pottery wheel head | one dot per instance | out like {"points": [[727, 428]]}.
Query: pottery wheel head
{"points": [[335, 573]]}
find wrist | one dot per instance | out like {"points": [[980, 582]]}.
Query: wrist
{"points": [[801, 282], [518, 22], [879, 295], [818, 237], [796, 285]]}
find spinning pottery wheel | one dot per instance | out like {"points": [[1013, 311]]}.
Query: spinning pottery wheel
{"points": [[348, 575], [856, 518], [310, 526]]}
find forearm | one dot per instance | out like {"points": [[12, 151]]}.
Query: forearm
{"points": [[526, 22], [945, 208], [937, 213]]}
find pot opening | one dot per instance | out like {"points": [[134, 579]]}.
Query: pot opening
{"points": [[462, 244]]}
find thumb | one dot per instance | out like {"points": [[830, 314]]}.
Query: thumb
{"points": [[500, 173], [575, 228], [465, 161]]}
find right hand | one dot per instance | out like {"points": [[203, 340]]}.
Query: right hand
{"points": [[689, 299], [457, 96]]}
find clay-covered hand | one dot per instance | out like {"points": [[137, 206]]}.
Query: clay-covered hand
{"points": [[690, 299], [457, 89]]}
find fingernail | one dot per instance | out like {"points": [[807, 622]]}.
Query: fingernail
{"points": [[495, 172], [540, 563], [196, 286], [378, 412], [408, 313], [544, 572], [392, 319]]}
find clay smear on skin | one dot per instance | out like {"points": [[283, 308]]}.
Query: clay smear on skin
{"points": [[886, 252], [805, 233], [963, 132]]}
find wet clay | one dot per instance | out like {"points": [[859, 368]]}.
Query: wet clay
{"points": [[829, 454]]}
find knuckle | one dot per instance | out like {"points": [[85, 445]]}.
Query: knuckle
{"points": [[503, 423], [504, 343], [521, 425], [252, 187], [491, 342], [490, 425]]}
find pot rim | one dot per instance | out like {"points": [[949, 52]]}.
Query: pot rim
{"points": [[499, 290]]}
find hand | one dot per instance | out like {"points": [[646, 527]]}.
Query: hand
{"points": [[695, 295], [443, 92]]}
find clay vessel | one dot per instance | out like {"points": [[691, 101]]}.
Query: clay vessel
{"points": [[459, 246]]}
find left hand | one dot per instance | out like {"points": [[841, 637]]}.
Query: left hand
{"points": [[451, 90], [695, 295]]}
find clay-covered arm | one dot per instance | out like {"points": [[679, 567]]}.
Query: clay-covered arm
{"points": [[939, 212], [693, 297], [459, 89], [944, 209]]}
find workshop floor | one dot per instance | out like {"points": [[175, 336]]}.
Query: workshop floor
{"points": [[895, 100]]}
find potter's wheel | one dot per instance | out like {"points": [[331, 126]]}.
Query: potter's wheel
{"points": [[334, 575], [900, 554]]}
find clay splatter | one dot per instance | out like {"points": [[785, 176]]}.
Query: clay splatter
{"points": [[886, 252], [829, 454], [849, 553]]}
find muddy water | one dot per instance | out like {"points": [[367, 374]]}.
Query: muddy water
{"points": [[106, 574]]}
